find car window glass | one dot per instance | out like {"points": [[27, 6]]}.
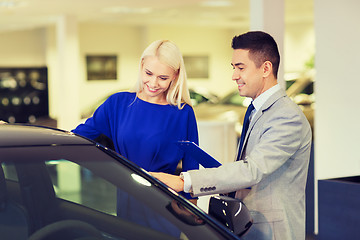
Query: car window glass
{"points": [[10, 172], [78, 184]]}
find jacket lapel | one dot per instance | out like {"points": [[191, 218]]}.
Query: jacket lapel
{"points": [[273, 98]]}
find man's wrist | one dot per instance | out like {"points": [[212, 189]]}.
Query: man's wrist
{"points": [[187, 181]]}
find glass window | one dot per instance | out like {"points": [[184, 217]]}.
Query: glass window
{"points": [[78, 184], [9, 171], [101, 189]]}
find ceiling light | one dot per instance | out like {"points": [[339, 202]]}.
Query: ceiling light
{"points": [[7, 4], [216, 3], [10, 4], [127, 10]]}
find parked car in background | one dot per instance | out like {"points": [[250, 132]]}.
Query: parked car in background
{"points": [[199, 95], [301, 91], [232, 107], [57, 185]]}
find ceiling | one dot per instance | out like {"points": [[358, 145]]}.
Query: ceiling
{"points": [[27, 14]]}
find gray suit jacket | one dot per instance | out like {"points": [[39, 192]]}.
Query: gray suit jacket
{"points": [[274, 163]]}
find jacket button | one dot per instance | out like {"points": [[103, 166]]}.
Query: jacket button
{"points": [[201, 189]]}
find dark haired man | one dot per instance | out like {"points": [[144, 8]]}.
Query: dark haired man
{"points": [[270, 171]]}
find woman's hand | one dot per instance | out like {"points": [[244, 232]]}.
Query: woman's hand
{"points": [[173, 181]]}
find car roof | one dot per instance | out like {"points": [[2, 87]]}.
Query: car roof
{"points": [[15, 135]]}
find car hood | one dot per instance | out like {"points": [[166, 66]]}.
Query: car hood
{"points": [[15, 135]]}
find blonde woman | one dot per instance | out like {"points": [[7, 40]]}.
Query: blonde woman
{"points": [[145, 124]]}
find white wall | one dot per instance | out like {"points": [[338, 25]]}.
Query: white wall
{"points": [[299, 46], [98, 39], [129, 42], [23, 48], [337, 115], [213, 42]]}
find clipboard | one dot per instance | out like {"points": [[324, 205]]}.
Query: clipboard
{"points": [[198, 154]]}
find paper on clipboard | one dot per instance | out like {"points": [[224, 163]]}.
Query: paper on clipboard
{"points": [[198, 154]]}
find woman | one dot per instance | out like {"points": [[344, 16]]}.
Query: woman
{"points": [[145, 125]]}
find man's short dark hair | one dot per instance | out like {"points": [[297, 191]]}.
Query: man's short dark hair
{"points": [[262, 47]]}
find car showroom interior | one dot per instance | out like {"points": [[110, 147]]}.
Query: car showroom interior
{"points": [[61, 61]]}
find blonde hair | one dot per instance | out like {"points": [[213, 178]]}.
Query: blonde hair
{"points": [[168, 53]]}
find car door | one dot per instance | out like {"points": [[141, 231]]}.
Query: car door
{"points": [[85, 183]]}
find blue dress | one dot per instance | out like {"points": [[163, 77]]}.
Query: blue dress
{"points": [[145, 133]]}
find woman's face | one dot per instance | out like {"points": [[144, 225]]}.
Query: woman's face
{"points": [[156, 78]]}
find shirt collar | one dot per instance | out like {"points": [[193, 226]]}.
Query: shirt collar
{"points": [[262, 98]]}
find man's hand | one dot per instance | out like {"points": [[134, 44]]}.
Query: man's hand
{"points": [[173, 181]]}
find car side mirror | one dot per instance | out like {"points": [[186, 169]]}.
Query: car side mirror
{"points": [[232, 213]]}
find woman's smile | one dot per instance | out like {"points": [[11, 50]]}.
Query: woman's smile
{"points": [[153, 90]]}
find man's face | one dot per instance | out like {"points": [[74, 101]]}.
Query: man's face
{"points": [[249, 78]]}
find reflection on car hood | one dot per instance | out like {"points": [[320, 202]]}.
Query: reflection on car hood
{"points": [[13, 135]]}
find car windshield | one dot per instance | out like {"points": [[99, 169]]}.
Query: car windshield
{"points": [[87, 183]]}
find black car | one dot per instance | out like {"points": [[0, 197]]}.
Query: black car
{"points": [[57, 185]]}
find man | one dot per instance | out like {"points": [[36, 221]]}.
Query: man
{"points": [[271, 168]]}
